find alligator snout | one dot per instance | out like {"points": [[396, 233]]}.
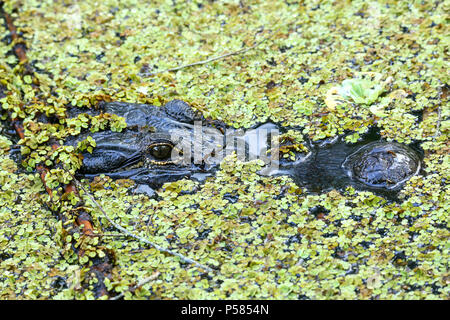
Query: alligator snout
{"points": [[382, 164]]}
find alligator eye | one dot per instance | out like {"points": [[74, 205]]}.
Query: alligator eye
{"points": [[161, 151]]}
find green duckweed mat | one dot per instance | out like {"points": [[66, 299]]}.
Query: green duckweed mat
{"points": [[264, 237]]}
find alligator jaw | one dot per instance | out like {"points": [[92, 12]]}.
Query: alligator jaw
{"points": [[152, 177]]}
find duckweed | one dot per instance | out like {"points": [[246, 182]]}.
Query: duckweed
{"points": [[266, 237]]}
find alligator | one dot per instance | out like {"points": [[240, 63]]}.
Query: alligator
{"points": [[144, 151], [163, 144]]}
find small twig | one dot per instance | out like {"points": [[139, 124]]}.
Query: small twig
{"points": [[240, 51], [140, 284], [102, 235], [146, 241]]}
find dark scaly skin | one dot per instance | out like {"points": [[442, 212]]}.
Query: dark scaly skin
{"points": [[138, 152]]}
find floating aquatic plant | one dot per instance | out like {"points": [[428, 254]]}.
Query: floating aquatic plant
{"points": [[361, 91], [268, 238]]}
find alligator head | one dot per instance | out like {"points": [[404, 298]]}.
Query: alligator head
{"points": [[152, 149], [162, 144]]}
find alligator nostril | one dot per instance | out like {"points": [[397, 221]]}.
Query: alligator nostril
{"points": [[382, 164]]}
